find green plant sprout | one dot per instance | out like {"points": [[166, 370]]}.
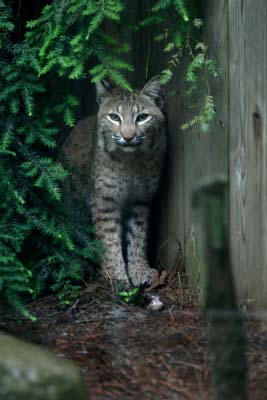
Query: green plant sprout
{"points": [[132, 297]]}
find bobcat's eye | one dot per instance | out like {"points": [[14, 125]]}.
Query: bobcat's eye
{"points": [[142, 118], [114, 117]]}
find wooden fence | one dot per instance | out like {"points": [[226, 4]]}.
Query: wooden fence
{"points": [[235, 146]]}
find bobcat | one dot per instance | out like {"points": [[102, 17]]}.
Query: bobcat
{"points": [[120, 157]]}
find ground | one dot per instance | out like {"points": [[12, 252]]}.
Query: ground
{"points": [[127, 352]]}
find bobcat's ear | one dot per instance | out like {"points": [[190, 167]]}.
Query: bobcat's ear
{"points": [[103, 89], [154, 90]]}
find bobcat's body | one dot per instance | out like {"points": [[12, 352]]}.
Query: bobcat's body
{"points": [[122, 162]]}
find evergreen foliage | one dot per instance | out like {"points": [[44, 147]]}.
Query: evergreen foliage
{"points": [[71, 32], [31, 219], [71, 39], [179, 37]]}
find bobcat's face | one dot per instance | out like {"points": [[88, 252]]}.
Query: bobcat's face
{"points": [[128, 122]]}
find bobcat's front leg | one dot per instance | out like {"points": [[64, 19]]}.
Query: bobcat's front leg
{"points": [[107, 222], [137, 230]]}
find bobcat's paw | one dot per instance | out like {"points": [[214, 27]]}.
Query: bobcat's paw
{"points": [[116, 275], [141, 276]]}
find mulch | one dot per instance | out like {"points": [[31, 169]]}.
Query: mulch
{"points": [[127, 352]]}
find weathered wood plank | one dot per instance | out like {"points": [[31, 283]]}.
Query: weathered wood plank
{"points": [[248, 136], [193, 154]]}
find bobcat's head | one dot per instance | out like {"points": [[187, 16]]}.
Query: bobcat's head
{"points": [[129, 122]]}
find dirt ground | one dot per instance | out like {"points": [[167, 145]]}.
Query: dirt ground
{"points": [[128, 352]]}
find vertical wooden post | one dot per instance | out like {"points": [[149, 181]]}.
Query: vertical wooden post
{"points": [[193, 154], [225, 327], [248, 147]]}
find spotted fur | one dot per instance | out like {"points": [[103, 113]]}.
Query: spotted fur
{"points": [[126, 160]]}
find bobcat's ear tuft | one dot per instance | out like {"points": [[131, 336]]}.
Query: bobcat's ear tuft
{"points": [[103, 89], [154, 90]]}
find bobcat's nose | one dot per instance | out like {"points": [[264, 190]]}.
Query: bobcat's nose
{"points": [[128, 139], [128, 133]]}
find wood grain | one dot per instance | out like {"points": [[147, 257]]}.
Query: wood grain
{"points": [[194, 155], [248, 161]]}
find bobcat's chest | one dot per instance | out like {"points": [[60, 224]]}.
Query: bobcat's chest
{"points": [[126, 180], [133, 189]]}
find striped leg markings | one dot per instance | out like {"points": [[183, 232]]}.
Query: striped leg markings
{"points": [[107, 221], [136, 236]]}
